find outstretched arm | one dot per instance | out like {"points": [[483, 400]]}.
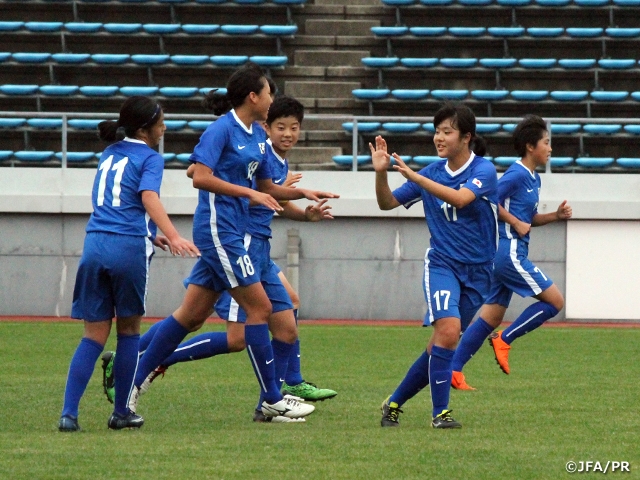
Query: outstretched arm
{"points": [[313, 213], [381, 162]]}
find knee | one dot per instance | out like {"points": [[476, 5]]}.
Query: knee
{"points": [[286, 335], [236, 344], [558, 302]]}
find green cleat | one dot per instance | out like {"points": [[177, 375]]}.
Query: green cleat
{"points": [[108, 379], [308, 392]]}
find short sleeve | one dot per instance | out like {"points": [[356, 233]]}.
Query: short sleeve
{"points": [[211, 145], [483, 179], [408, 194], [151, 175], [264, 170], [507, 185]]}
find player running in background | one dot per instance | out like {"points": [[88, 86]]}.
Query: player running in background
{"points": [[519, 194], [114, 269], [231, 152], [459, 199]]}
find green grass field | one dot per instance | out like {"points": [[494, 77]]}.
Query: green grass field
{"points": [[572, 395]]}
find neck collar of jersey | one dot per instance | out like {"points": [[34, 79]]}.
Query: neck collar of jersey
{"points": [[133, 140], [241, 123], [519, 162], [274, 151], [462, 168]]}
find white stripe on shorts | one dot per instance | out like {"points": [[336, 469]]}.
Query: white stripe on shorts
{"points": [[148, 253], [513, 253], [426, 285], [222, 253]]}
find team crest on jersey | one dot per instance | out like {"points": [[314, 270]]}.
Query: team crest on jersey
{"points": [[262, 147], [477, 182], [253, 166]]}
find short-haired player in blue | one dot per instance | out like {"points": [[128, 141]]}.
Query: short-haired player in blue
{"points": [[231, 152], [519, 194], [114, 268], [459, 199]]}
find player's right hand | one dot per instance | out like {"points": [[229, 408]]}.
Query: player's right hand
{"points": [[522, 228], [379, 156], [259, 198], [183, 247]]}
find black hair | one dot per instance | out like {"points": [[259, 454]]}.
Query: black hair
{"points": [[249, 78], [273, 88], [464, 120], [136, 112], [285, 106], [528, 132]]}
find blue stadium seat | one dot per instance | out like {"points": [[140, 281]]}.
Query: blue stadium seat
{"points": [[553, 3], [591, 3], [635, 96], [122, 27], [189, 59], [10, 89], [548, 32], [509, 127], [634, 129], [348, 159], [279, 30], [269, 60], [5, 154], [211, 1], [161, 28], [199, 124], [133, 91], [428, 31], [12, 122], [609, 96], [489, 95], [424, 160], [617, 32], [362, 126], [229, 60], [506, 31], [249, 2], [601, 129], [239, 29], [436, 3], [59, 90], [110, 58], [565, 128], [45, 123], [84, 123], [380, 62], [98, 91], [401, 127], [505, 161], [179, 92], [537, 62], [488, 127], [475, 3], [10, 26], [514, 3], [77, 157], [560, 161], [389, 31], [617, 64], [205, 90], [30, 57], [458, 62], [628, 162], [399, 2], [4, 56], [529, 95], [594, 161], [467, 31], [577, 63], [82, 27], [405, 94], [584, 32], [31, 156], [418, 62], [370, 93], [498, 62], [174, 125], [74, 58], [428, 127], [200, 29], [153, 59], [569, 95], [627, 3], [449, 94], [168, 157], [183, 157], [43, 26]]}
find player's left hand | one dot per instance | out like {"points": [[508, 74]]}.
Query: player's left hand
{"points": [[162, 242], [317, 195], [564, 211], [402, 167], [319, 211]]}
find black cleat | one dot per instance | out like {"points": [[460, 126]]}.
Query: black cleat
{"points": [[68, 424], [130, 420], [445, 420], [390, 413]]}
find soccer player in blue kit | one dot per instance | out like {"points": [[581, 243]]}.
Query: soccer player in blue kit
{"points": [[518, 194], [459, 199], [231, 152], [113, 272]]}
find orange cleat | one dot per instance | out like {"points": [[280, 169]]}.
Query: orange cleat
{"points": [[458, 382], [501, 351]]}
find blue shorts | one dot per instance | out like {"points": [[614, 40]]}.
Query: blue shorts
{"points": [[514, 272], [454, 289], [260, 252], [224, 267], [112, 277]]}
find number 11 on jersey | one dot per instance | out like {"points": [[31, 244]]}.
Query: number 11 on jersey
{"points": [[105, 167], [454, 216]]}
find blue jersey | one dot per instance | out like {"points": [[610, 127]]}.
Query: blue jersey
{"points": [[235, 154], [260, 217], [126, 169], [468, 235], [519, 194]]}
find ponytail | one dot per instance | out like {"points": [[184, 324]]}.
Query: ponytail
{"points": [[136, 112], [216, 102], [478, 145]]}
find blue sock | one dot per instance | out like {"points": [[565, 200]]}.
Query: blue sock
{"points": [[415, 380], [262, 359], [532, 317], [168, 336], [294, 376], [145, 339], [201, 346], [80, 370], [281, 354], [440, 375], [470, 343], [124, 369]]}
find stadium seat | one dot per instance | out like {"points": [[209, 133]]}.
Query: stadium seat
{"points": [[179, 92], [509, 127], [4, 56], [183, 157], [553, 3], [144, 59], [98, 91], [609, 96], [617, 64], [74, 58], [591, 3], [370, 93], [592, 162], [419, 62], [628, 162], [229, 60], [584, 32], [362, 126], [428, 127], [569, 95], [45, 123], [560, 161], [458, 62], [617, 32], [380, 62], [161, 28], [548, 32], [110, 58], [489, 94], [565, 128], [475, 3], [59, 90], [32, 156], [488, 127], [537, 62], [505, 161], [576, 63], [269, 60], [504, 32], [5, 154], [498, 62], [133, 91], [168, 157], [84, 123], [405, 94], [77, 157], [348, 159], [12, 122], [514, 3], [43, 26], [428, 31], [10, 26], [239, 29], [401, 127], [424, 160], [399, 2], [279, 30], [206, 90], [10, 89], [635, 96], [174, 125], [529, 95], [601, 129], [189, 59], [449, 94], [199, 125], [634, 129], [199, 29], [389, 31], [627, 3], [82, 27], [467, 31], [122, 27], [29, 57]]}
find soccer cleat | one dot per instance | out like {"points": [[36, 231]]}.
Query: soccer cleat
{"points": [[459, 383], [108, 379], [134, 396], [68, 424], [151, 377], [501, 351], [390, 413], [289, 406], [260, 417], [445, 420], [130, 420], [308, 392]]}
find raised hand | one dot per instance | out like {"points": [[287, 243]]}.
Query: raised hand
{"points": [[402, 167], [319, 211], [292, 179], [379, 156]]}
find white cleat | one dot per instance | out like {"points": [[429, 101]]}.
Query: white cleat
{"points": [[133, 399], [260, 417], [289, 406], [150, 378]]}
